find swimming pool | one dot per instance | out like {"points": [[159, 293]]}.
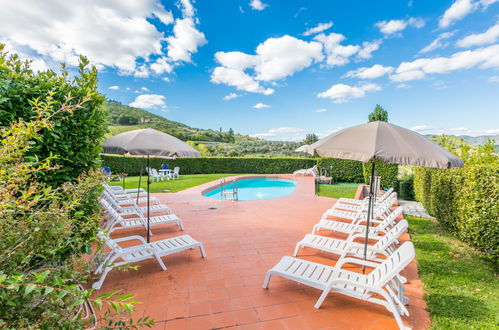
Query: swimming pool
{"points": [[257, 188]]}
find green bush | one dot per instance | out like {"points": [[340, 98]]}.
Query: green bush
{"points": [[387, 172], [344, 170], [465, 200], [208, 165], [74, 142]]}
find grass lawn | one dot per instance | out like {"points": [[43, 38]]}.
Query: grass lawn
{"points": [[337, 190], [185, 181], [461, 290]]}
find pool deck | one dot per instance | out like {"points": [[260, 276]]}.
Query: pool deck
{"points": [[243, 240]]}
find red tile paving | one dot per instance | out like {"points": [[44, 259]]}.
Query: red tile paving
{"points": [[243, 240]]}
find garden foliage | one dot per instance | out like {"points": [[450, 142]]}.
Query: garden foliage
{"points": [[465, 200], [388, 173]]}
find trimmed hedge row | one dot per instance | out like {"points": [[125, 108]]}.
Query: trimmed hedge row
{"points": [[388, 173], [465, 200], [343, 170]]}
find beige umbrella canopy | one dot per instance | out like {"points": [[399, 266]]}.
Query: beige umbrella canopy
{"points": [[303, 148], [149, 141], [388, 143]]}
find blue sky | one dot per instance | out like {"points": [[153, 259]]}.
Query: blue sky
{"points": [[279, 69]]}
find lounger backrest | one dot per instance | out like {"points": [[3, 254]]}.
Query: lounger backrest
{"points": [[390, 218], [111, 201], [392, 235], [386, 195], [395, 263], [109, 209], [176, 170], [392, 199], [109, 242]]}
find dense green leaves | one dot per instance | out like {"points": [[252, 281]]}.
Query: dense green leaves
{"points": [[379, 114], [387, 172], [465, 200]]}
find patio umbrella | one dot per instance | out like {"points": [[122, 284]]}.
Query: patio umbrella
{"points": [[148, 142], [388, 143], [303, 148]]}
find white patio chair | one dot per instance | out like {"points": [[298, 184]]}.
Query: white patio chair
{"points": [[114, 220], [118, 256], [376, 287], [176, 172], [134, 208], [155, 175], [359, 226]]}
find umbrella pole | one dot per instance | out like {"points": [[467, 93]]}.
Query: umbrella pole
{"points": [[123, 177], [148, 183], [140, 177], [370, 210]]}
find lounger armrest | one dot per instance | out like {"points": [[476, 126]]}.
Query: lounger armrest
{"points": [[352, 237], [361, 262], [129, 238]]}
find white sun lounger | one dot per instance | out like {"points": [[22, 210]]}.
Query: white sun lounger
{"points": [[120, 190], [379, 212], [126, 199], [358, 226], [390, 200], [348, 248], [376, 287], [115, 221], [119, 256], [125, 209], [354, 201]]}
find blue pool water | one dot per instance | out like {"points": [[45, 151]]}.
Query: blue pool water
{"points": [[258, 188]]}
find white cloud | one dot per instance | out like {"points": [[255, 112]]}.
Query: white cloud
{"points": [[336, 54], [420, 128], [494, 79], [486, 3], [114, 88], [321, 110], [261, 106], [275, 58], [488, 37], [239, 79], [185, 41], [398, 25], [149, 101], [484, 58], [118, 35], [258, 5], [144, 89], [231, 96], [456, 11], [373, 72], [492, 131], [263, 135], [317, 29], [438, 42], [286, 130], [402, 86], [341, 93], [368, 48]]}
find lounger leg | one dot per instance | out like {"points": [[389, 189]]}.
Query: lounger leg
{"points": [[314, 230], [201, 248], [297, 248], [267, 279], [392, 308], [97, 285], [322, 298], [180, 224], [158, 258]]}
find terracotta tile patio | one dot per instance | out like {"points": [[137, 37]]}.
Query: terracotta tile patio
{"points": [[243, 240]]}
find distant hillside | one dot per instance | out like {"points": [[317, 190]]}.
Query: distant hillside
{"points": [[123, 118], [480, 139]]}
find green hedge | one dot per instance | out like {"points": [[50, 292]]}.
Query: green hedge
{"points": [[343, 170], [466, 201], [406, 189], [208, 165], [388, 173]]}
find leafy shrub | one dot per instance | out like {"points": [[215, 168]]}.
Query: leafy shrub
{"points": [[343, 170], [74, 144], [387, 172], [465, 200]]}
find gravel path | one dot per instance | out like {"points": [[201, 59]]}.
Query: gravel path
{"points": [[414, 208]]}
